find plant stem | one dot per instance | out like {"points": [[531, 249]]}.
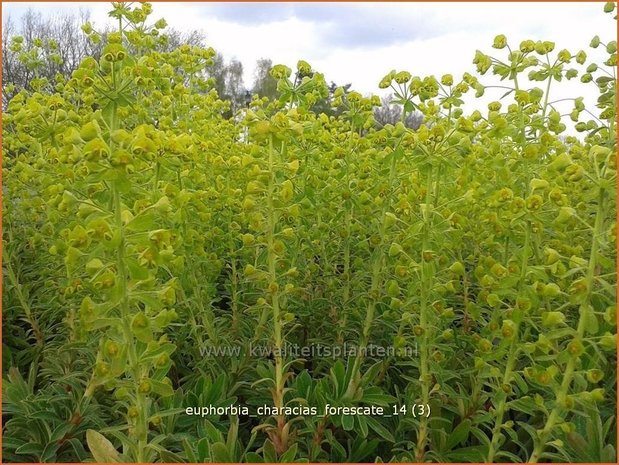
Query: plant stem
{"points": [[511, 359], [347, 225], [585, 311], [125, 311], [377, 268], [278, 395], [38, 335], [426, 284]]}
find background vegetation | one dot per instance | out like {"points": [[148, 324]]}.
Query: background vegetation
{"points": [[152, 210], [63, 45]]}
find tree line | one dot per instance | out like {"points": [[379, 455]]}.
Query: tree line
{"points": [[38, 46]]}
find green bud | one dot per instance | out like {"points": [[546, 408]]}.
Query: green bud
{"points": [[508, 329], [395, 249], [595, 375], [581, 56], [500, 42], [457, 268], [608, 342], [484, 345], [565, 213], [111, 349], [393, 289], [550, 319], [140, 321], [551, 256], [597, 395], [538, 184], [493, 300], [402, 77], [551, 290], [145, 387], [575, 348], [90, 131]]}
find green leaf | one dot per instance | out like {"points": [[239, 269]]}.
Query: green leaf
{"points": [[290, 454], [506, 94], [459, 434], [161, 388], [220, 453], [170, 457], [162, 349], [609, 454], [363, 425], [252, 457], [524, 404], [372, 372], [233, 432], [304, 384], [578, 444], [511, 457], [348, 422], [592, 325], [409, 106], [338, 375], [169, 413], [60, 432], [145, 221], [469, 454], [268, 451], [49, 453], [136, 272], [43, 415], [107, 111], [30, 448], [203, 450], [603, 79], [374, 396], [101, 449], [529, 429], [189, 453], [380, 429], [522, 384]]}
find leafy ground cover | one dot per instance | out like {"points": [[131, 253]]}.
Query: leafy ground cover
{"points": [[150, 244]]}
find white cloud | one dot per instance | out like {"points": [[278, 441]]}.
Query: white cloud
{"points": [[424, 38], [458, 30]]}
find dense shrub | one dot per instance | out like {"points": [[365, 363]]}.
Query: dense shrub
{"points": [[145, 235]]}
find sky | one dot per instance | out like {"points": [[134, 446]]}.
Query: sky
{"points": [[359, 43]]}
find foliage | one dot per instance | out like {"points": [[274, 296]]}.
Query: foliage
{"points": [[146, 233]]}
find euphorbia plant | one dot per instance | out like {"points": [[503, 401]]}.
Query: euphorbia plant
{"points": [[276, 191], [121, 247], [153, 235]]}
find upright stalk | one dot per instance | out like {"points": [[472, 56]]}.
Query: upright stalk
{"points": [[585, 310], [426, 284], [36, 330], [347, 229], [280, 438], [511, 359], [377, 268], [513, 347]]}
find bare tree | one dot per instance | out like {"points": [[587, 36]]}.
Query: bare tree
{"points": [[47, 46], [51, 45], [176, 38], [265, 85], [234, 84], [390, 113]]}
